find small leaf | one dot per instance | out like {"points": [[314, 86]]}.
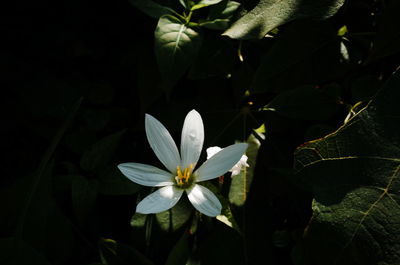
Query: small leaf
{"points": [[205, 3], [180, 253], [175, 218], [240, 184], [99, 154], [176, 47], [269, 14], [152, 8]]}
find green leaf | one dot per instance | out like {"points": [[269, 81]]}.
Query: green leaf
{"points": [[180, 252], [176, 47], [176, 217], [220, 15], [113, 182], [115, 253], [17, 252], [387, 39], [205, 3], [269, 14], [354, 174], [83, 195], [240, 184], [152, 8], [306, 103], [101, 153], [138, 220]]}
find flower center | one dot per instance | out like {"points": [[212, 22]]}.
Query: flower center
{"points": [[184, 178]]}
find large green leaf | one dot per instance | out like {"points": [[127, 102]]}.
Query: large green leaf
{"points": [[269, 14], [354, 174], [205, 3], [176, 217], [176, 46]]}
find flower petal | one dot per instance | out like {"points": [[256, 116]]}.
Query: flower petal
{"points": [[221, 162], [160, 200], [162, 143], [204, 200], [192, 139], [146, 175]]}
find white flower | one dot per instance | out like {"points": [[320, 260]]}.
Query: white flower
{"points": [[181, 175], [211, 151]]}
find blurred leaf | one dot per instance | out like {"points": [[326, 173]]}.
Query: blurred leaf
{"points": [[297, 43], [83, 195], [138, 220], [17, 252], [205, 3], [114, 253], [240, 184], [176, 46], [387, 39], [176, 217], [354, 175], [113, 182], [306, 103], [180, 253], [101, 153], [226, 215], [152, 8], [269, 14]]}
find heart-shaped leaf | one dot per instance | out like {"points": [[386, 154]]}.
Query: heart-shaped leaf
{"points": [[176, 46], [269, 14], [354, 174]]}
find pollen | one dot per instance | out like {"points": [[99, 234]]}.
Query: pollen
{"points": [[183, 178]]}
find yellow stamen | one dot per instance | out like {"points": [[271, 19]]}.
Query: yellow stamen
{"points": [[183, 178]]}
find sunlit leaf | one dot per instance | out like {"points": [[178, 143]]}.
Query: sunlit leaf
{"points": [[354, 174], [240, 184], [138, 220], [269, 14], [205, 3], [176, 46], [176, 217]]}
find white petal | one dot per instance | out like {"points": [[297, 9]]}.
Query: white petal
{"points": [[221, 162], [160, 200], [162, 143], [146, 175], [192, 139], [204, 200], [212, 151]]}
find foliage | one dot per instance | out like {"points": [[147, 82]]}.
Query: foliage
{"points": [[312, 86]]}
